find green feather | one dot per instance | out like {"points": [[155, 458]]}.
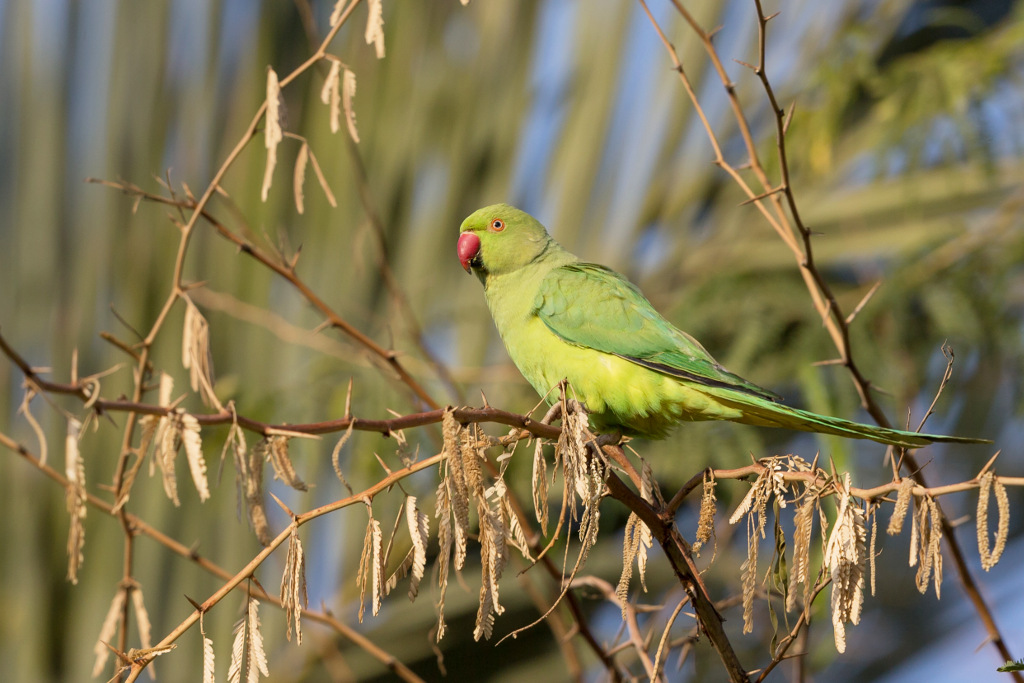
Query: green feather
{"points": [[635, 372], [593, 307]]}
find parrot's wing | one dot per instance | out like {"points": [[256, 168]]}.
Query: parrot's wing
{"points": [[593, 307]]}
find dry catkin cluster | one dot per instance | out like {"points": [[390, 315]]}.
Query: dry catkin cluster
{"points": [[846, 560], [848, 553], [462, 486], [990, 555], [467, 488]]}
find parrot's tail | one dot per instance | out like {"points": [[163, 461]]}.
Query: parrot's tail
{"points": [[768, 414]]}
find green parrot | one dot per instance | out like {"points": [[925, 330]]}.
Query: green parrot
{"points": [[633, 370]]}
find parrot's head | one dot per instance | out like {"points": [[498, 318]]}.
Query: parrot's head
{"points": [[500, 239]]}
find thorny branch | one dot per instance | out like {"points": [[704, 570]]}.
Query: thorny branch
{"points": [[636, 638], [662, 525], [802, 622], [824, 300]]}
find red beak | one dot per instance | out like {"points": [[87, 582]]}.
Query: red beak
{"points": [[468, 248]]}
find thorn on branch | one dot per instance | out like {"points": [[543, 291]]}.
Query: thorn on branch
{"points": [[117, 653], [124, 322], [863, 302], [111, 339], [781, 188], [755, 69], [193, 285], [284, 507], [788, 119], [383, 464], [989, 464]]}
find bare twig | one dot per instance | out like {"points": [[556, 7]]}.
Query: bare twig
{"points": [[388, 357], [636, 638]]}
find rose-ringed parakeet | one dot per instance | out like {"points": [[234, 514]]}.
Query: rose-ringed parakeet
{"points": [[633, 370]]}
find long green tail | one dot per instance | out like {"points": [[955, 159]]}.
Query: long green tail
{"points": [[758, 411]]}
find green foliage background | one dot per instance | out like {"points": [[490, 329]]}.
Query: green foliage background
{"points": [[906, 149]]}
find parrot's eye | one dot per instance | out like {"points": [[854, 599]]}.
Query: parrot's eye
{"points": [[497, 225]]}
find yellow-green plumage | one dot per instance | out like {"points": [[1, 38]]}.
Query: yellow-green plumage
{"points": [[635, 372]]}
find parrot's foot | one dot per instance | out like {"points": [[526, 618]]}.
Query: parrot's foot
{"points": [[616, 438], [554, 412]]}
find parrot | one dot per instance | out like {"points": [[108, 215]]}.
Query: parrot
{"points": [[634, 372]]}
